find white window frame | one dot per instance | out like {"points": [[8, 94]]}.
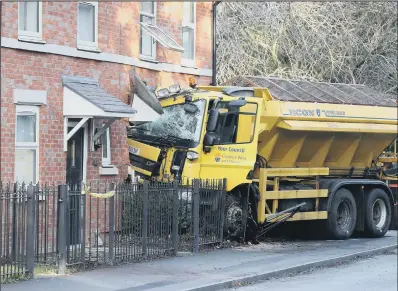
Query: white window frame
{"points": [[31, 35], [88, 45], [28, 145], [143, 13], [106, 161], [189, 62]]}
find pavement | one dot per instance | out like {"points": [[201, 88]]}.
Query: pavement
{"points": [[215, 270], [372, 274]]}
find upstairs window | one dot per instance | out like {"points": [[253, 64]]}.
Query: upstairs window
{"points": [[147, 42], [151, 33], [87, 26], [30, 21], [189, 33]]}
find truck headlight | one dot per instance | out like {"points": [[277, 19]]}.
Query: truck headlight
{"points": [[192, 155]]}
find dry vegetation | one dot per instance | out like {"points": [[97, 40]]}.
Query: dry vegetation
{"points": [[346, 42]]}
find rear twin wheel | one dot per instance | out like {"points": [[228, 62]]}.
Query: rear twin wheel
{"points": [[343, 214]]}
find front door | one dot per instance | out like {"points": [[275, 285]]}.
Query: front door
{"points": [[74, 178]]}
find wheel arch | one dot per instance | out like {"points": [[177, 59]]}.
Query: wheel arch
{"points": [[359, 193], [353, 184]]}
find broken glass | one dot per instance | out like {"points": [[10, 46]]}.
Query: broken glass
{"points": [[177, 122]]}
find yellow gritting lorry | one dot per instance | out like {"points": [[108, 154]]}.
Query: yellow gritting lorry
{"points": [[289, 150]]}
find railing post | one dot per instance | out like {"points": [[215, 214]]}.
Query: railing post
{"points": [[196, 202], [112, 224], [82, 222], [30, 232], [145, 219], [14, 224], [221, 209], [174, 228], [62, 226]]}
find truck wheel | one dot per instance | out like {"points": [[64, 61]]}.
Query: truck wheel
{"points": [[342, 215], [234, 216], [377, 213]]}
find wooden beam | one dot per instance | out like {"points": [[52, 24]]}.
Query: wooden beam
{"points": [[103, 129], [76, 128]]}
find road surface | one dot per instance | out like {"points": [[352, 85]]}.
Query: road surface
{"points": [[376, 273]]}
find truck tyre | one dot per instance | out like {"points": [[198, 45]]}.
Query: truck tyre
{"points": [[234, 216], [377, 213], [342, 215]]}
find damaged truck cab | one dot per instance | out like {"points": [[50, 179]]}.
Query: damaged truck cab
{"points": [[312, 157]]}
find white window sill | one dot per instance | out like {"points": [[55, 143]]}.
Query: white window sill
{"points": [[148, 59], [188, 64], [30, 39], [108, 170], [88, 49]]}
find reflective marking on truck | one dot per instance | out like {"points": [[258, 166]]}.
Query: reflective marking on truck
{"points": [[329, 113], [134, 150]]}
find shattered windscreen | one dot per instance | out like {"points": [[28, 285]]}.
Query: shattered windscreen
{"points": [[177, 122]]}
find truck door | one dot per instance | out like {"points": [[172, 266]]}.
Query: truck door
{"points": [[234, 151]]}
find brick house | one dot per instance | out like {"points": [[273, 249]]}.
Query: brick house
{"points": [[66, 80]]}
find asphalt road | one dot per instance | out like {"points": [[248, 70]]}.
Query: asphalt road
{"points": [[376, 273]]}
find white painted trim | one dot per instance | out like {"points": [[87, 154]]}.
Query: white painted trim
{"points": [[76, 128], [191, 63], [29, 145], [108, 171], [105, 57], [103, 129], [88, 45], [147, 14], [85, 146], [77, 106], [107, 161], [30, 97], [31, 35]]}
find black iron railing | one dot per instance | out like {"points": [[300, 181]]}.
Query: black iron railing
{"points": [[89, 225]]}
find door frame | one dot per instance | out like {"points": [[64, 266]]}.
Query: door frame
{"points": [[85, 146]]}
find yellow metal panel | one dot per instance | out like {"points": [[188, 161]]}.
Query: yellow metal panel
{"points": [[293, 194], [337, 126], [262, 204], [311, 215], [285, 172], [349, 152], [145, 151], [141, 171]]}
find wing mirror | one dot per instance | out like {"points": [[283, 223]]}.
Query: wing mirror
{"points": [[237, 103], [209, 139], [214, 115]]}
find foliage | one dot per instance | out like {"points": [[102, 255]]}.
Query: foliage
{"points": [[347, 42]]}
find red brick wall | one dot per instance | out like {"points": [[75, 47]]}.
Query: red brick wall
{"points": [[118, 28]]}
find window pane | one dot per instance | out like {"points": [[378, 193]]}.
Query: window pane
{"points": [[86, 22], [104, 142], [188, 10], [188, 43], [26, 128], [25, 165], [146, 40], [148, 6], [29, 16]]}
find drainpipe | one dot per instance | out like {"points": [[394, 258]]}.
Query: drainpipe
{"points": [[214, 62]]}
